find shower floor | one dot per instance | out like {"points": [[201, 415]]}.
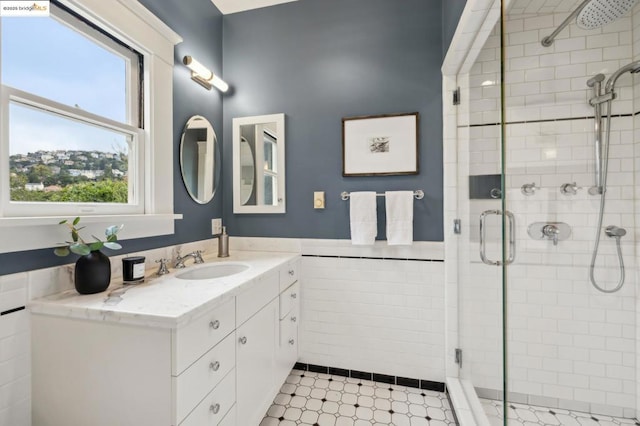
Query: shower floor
{"points": [[531, 415]]}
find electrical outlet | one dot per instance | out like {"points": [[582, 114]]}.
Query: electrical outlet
{"points": [[216, 226]]}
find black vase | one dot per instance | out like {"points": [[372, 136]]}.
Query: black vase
{"points": [[93, 273]]}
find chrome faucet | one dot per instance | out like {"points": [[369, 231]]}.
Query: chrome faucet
{"points": [[196, 255]]}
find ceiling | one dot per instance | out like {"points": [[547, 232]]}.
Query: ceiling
{"points": [[233, 6]]}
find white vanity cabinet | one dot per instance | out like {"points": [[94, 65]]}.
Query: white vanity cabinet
{"points": [[102, 373], [222, 367]]}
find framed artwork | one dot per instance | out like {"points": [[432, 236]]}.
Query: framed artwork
{"points": [[380, 145]]}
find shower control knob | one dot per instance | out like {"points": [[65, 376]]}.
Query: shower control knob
{"points": [[529, 189], [554, 231], [551, 231], [569, 188]]}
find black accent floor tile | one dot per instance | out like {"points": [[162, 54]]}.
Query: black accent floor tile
{"points": [[339, 372], [300, 366], [411, 383], [594, 419], [318, 369], [383, 378], [361, 375], [432, 386]]}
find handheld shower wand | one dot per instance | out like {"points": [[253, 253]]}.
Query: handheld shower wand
{"points": [[602, 163]]}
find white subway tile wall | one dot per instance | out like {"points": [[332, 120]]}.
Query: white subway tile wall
{"points": [[566, 342], [381, 316], [15, 356]]}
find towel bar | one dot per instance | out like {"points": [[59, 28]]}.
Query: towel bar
{"points": [[418, 194]]}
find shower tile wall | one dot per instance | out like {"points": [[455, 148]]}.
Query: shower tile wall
{"points": [[568, 345]]}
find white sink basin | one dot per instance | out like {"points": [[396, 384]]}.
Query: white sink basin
{"points": [[216, 270]]}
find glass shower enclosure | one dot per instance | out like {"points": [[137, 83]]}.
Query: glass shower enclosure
{"points": [[542, 162]]}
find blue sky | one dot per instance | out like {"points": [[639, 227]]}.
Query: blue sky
{"points": [[45, 57]]}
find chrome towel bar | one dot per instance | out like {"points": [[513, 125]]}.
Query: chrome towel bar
{"points": [[418, 194]]}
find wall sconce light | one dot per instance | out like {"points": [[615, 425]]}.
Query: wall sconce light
{"points": [[203, 76]]}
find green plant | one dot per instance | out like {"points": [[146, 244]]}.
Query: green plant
{"points": [[81, 247]]}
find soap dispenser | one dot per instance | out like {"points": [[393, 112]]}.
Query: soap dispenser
{"points": [[223, 243]]}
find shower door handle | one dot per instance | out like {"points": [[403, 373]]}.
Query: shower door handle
{"points": [[483, 237]]}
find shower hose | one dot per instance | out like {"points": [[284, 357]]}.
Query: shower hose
{"points": [[605, 166]]}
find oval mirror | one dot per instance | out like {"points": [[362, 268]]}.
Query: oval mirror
{"points": [[199, 159]]}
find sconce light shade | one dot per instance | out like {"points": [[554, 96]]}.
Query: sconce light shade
{"points": [[203, 76]]}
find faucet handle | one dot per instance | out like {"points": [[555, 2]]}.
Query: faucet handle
{"points": [[198, 256], [529, 189], [569, 188], [162, 270]]}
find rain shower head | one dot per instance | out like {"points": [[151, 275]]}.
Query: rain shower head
{"points": [[592, 14], [598, 13]]}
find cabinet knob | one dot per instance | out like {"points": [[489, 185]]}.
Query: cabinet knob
{"points": [[215, 366], [214, 324], [291, 272], [243, 340], [292, 342], [294, 319], [294, 295], [215, 409]]}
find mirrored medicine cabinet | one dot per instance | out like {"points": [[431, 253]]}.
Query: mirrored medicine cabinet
{"points": [[259, 164]]}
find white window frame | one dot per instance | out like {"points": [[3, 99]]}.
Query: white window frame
{"points": [[136, 153], [135, 26]]}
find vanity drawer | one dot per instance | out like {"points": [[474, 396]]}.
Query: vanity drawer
{"points": [[289, 299], [288, 274], [256, 297], [230, 418], [198, 380], [216, 405], [192, 341], [289, 327]]}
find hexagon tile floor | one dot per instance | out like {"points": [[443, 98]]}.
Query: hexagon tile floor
{"points": [[531, 415], [315, 399]]}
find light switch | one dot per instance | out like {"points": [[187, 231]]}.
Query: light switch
{"points": [[318, 200]]}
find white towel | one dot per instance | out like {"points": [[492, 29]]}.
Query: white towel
{"points": [[363, 217], [399, 206]]}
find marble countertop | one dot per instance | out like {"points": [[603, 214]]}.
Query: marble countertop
{"points": [[165, 301]]}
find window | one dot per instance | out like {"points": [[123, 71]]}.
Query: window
{"points": [[81, 133], [73, 131]]}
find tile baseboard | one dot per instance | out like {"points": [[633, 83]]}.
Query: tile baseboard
{"points": [[374, 377]]}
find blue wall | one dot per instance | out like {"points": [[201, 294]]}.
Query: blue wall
{"points": [[318, 61], [451, 11], [200, 25]]}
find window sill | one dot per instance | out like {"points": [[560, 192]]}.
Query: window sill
{"points": [[20, 233]]}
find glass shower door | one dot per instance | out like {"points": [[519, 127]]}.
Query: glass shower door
{"points": [[487, 233]]}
